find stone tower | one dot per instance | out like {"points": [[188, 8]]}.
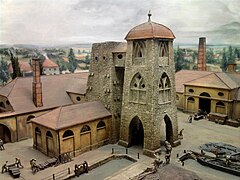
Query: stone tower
{"points": [[201, 64], [149, 88], [37, 85]]}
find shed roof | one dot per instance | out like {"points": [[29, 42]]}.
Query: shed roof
{"points": [[68, 116]]}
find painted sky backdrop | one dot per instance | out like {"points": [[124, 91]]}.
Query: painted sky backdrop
{"points": [[88, 21]]}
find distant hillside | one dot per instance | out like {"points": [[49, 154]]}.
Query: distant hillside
{"points": [[226, 34]]}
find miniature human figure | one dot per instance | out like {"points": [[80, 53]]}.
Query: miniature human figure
{"points": [[157, 161], [202, 152], [181, 132], [205, 114], [5, 167], [167, 157], [168, 147], [1, 145], [190, 118], [227, 159], [33, 163], [18, 163]]}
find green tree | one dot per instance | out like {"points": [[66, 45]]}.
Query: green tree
{"points": [[231, 58], [4, 75], [15, 65], [210, 56], [72, 62], [87, 59], [237, 53], [62, 65], [179, 59], [224, 62]]}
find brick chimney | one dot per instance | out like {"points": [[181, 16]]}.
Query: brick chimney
{"points": [[36, 85], [201, 64], [232, 68]]}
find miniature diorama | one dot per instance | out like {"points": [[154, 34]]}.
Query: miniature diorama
{"points": [[121, 110]]}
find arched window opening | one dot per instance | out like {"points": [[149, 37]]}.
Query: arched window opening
{"points": [[67, 133], [29, 118], [139, 48], [163, 48], [49, 134], [191, 99], [164, 89], [220, 104], [221, 94], [2, 105], [191, 90], [205, 94], [37, 130], [138, 89], [85, 128], [101, 124]]}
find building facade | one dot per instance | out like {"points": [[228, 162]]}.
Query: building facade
{"points": [[136, 82]]}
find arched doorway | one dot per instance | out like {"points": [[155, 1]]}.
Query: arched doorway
{"points": [[49, 144], [5, 133], [136, 132], [205, 102], [167, 130], [38, 138]]}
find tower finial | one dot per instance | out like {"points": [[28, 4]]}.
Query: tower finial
{"points": [[149, 16]]}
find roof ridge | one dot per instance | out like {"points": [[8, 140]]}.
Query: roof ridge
{"points": [[15, 80], [58, 117], [199, 77], [223, 81]]}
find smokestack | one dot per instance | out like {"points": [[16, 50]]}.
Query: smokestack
{"points": [[36, 85], [201, 65], [232, 68]]}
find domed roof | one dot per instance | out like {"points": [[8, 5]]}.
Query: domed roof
{"points": [[150, 30]]}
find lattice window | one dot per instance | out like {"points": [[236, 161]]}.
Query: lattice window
{"points": [[163, 49], [164, 89], [138, 89]]}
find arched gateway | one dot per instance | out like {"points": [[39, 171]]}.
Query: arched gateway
{"points": [[136, 132], [5, 133]]}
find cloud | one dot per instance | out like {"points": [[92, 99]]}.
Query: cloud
{"points": [[81, 21]]}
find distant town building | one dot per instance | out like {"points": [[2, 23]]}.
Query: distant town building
{"points": [[25, 69], [50, 67]]}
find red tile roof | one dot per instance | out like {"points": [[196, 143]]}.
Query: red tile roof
{"points": [[47, 63], [68, 116], [19, 91], [24, 67]]}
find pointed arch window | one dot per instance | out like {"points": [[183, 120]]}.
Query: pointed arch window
{"points": [[163, 49], [164, 89], [139, 52], [138, 89]]}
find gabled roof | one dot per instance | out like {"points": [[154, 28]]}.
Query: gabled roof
{"points": [[19, 91], [219, 80], [47, 63], [185, 76], [24, 67], [211, 80], [68, 116]]}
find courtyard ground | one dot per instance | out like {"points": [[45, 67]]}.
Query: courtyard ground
{"points": [[194, 135]]}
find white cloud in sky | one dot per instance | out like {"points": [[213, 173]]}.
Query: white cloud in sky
{"points": [[82, 21]]}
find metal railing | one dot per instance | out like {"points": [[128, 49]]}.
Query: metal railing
{"points": [[59, 175]]}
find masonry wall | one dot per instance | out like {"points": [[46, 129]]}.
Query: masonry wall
{"points": [[105, 83], [191, 106], [150, 112]]}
